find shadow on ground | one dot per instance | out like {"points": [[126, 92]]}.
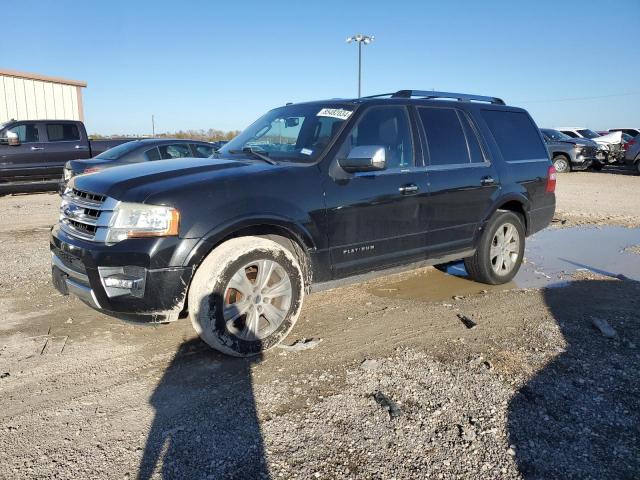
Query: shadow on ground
{"points": [[205, 423], [579, 417]]}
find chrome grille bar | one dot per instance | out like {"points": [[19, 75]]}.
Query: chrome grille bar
{"points": [[86, 215]]}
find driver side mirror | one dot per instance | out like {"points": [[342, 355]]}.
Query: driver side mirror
{"points": [[13, 139], [364, 158]]}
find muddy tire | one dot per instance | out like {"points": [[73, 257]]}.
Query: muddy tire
{"points": [[562, 164], [246, 296], [500, 250]]}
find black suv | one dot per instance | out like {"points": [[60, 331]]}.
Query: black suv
{"points": [[308, 196]]}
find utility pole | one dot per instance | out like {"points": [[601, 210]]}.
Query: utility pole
{"points": [[360, 39], [153, 126]]}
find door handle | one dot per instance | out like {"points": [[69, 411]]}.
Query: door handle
{"points": [[80, 147], [36, 148], [407, 189], [487, 180]]}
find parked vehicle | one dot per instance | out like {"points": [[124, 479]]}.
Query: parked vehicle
{"points": [[571, 153], [633, 132], [33, 152], [632, 154], [218, 144], [309, 196], [137, 151], [611, 143]]}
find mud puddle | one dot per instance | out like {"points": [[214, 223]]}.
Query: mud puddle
{"points": [[552, 257]]}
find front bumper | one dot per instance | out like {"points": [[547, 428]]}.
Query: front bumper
{"points": [[80, 267]]}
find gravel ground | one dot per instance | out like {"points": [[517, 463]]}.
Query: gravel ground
{"points": [[607, 197], [545, 386]]}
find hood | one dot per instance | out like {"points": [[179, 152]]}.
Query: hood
{"points": [[613, 137], [581, 141], [135, 182], [574, 141]]}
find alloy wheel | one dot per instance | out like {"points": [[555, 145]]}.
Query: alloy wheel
{"points": [[257, 300]]}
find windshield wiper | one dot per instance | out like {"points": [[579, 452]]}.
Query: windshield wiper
{"points": [[255, 153]]}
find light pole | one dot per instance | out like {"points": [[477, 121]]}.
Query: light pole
{"points": [[360, 39]]}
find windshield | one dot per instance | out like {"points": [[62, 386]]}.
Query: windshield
{"points": [[586, 133], [555, 134], [116, 152], [295, 133]]}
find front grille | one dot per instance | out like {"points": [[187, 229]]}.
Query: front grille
{"points": [[86, 215], [91, 197]]}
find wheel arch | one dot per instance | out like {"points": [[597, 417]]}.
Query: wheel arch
{"points": [[277, 229], [516, 203]]}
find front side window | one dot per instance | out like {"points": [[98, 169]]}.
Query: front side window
{"points": [[386, 127], [445, 136], [152, 154], [294, 133], [177, 150], [27, 133], [62, 132]]}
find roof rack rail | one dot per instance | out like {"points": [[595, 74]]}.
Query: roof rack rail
{"points": [[428, 94]]}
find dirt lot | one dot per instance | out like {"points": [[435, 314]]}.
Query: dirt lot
{"points": [[397, 388]]}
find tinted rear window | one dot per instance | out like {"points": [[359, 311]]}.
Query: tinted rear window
{"points": [[118, 151], [445, 137], [516, 135]]}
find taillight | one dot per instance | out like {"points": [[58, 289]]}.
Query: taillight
{"points": [[551, 179]]}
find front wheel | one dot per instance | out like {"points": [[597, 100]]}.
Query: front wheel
{"points": [[246, 296], [561, 164], [500, 250]]}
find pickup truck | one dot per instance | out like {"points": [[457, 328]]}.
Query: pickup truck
{"points": [[33, 152]]}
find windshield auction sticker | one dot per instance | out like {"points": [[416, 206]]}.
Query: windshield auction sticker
{"points": [[340, 113]]}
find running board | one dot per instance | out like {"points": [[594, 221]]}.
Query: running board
{"points": [[365, 277]]}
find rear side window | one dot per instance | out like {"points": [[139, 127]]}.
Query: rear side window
{"points": [[516, 135], [152, 154], [202, 151], [178, 150], [62, 132], [445, 136], [27, 133]]}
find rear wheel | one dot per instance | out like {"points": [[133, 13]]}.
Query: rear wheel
{"points": [[561, 164], [246, 296], [500, 250]]}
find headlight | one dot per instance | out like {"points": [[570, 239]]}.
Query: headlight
{"points": [[132, 220], [67, 174]]}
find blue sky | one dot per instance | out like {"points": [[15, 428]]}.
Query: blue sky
{"points": [[205, 64]]}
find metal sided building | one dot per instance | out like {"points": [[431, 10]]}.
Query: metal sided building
{"points": [[29, 96]]}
